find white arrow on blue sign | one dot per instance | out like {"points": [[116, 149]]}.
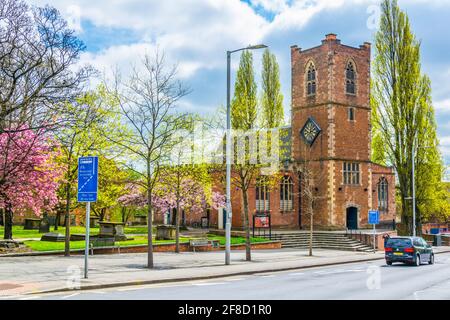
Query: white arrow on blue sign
{"points": [[87, 179], [374, 217]]}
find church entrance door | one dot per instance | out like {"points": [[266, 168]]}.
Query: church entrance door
{"points": [[352, 218]]}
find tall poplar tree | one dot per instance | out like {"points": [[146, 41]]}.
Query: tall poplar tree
{"points": [[403, 116], [272, 98]]}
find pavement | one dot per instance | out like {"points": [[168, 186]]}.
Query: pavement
{"points": [[21, 276]]}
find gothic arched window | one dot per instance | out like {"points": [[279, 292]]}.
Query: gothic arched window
{"points": [[262, 195], [286, 194], [311, 83], [350, 78], [383, 194]]}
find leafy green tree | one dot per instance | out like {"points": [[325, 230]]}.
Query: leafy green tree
{"points": [[403, 118], [378, 147], [272, 98], [111, 185], [244, 109], [83, 135]]}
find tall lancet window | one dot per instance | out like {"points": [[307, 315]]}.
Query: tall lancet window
{"points": [[262, 195], [350, 80], [383, 194], [311, 80]]}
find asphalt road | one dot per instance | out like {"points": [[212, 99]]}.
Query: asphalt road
{"points": [[370, 280]]}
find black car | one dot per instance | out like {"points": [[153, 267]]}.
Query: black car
{"points": [[411, 250]]}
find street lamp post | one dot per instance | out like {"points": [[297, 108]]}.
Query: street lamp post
{"points": [[228, 153]]}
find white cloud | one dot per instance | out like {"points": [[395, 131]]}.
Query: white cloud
{"points": [[445, 148], [120, 56], [275, 6], [442, 106], [446, 154], [445, 141], [195, 34]]}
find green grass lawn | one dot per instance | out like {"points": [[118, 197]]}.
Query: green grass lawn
{"points": [[235, 240], [36, 245], [20, 233]]}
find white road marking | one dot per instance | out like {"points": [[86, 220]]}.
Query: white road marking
{"points": [[70, 295], [296, 274], [235, 279], [268, 276], [209, 284], [162, 285], [129, 289], [338, 271]]}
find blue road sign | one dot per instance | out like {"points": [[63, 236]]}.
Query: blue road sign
{"points": [[374, 217], [87, 179]]}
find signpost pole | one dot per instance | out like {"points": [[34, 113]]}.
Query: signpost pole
{"points": [[87, 192], [374, 239], [374, 219], [86, 249]]}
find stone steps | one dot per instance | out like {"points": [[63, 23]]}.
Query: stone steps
{"points": [[325, 240]]}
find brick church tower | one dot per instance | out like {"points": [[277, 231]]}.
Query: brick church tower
{"points": [[331, 128]]}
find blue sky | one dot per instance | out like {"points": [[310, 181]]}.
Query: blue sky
{"points": [[196, 33]]}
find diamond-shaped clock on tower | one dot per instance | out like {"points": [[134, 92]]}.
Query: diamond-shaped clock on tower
{"points": [[310, 131]]}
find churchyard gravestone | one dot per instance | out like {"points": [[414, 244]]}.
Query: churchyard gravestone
{"points": [[44, 225], [53, 237], [31, 224], [93, 222], [112, 229], [165, 232], [140, 221]]}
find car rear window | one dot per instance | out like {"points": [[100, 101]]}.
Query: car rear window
{"points": [[396, 242]]}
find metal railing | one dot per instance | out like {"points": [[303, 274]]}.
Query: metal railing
{"points": [[358, 235]]}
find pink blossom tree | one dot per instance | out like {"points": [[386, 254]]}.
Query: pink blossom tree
{"points": [[28, 174], [191, 196], [185, 193], [134, 199]]}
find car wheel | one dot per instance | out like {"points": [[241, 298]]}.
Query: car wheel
{"points": [[389, 263], [417, 261], [431, 259]]}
